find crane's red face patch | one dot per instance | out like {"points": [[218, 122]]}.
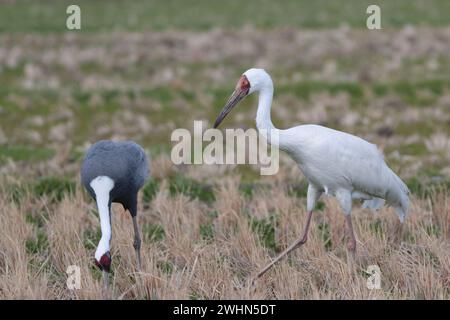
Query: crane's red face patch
{"points": [[241, 91], [105, 262], [243, 85]]}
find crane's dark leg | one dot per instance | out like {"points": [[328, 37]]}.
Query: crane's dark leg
{"points": [[132, 207], [137, 242], [300, 241]]}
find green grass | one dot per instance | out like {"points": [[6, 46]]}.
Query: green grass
{"points": [[153, 232], [423, 186], [165, 266], [86, 118], [432, 230], [138, 15], [247, 189], [265, 228], [150, 190], [305, 89], [416, 149], [191, 188], [377, 227], [24, 153], [16, 192], [320, 206], [299, 190], [38, 220], [207, 232], [38, 244], [326, 235], [55, 187], [91, 238]]}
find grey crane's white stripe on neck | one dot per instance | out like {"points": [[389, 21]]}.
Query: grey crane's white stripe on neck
{"points": [[102, 186]]}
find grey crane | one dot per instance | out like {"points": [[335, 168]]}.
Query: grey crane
{"points": [[114, 171]]}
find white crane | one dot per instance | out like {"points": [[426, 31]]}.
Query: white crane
{"points": [[333, 162]]}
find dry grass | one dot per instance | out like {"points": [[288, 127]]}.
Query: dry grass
{"points": [[211, 250]]}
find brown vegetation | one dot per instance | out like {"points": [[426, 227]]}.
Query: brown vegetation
{"points": [[209, 250]]}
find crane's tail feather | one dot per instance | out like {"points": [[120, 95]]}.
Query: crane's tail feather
{"points": [[397, 196], [373, 204], [401, 212]]}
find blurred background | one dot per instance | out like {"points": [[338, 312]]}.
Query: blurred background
{"points": [[139, 69]]}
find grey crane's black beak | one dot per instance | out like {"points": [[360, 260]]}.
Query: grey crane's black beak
{"points": [[237, 96]]}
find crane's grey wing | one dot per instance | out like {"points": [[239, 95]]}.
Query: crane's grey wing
{"points": [[137, 162], [124, 162]]}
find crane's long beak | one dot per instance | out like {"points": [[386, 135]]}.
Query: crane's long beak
{"points": [[237, 96]]}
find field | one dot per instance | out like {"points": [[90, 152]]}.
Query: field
{"points": [[138, 71]]}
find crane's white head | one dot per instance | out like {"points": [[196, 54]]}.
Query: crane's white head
{"points": [[252, 80]]}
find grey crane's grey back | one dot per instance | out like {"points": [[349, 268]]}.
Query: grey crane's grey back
{"points": [[125, 162]]}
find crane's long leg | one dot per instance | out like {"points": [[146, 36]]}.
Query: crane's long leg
{"points": [[351, 245], [302, 240], [137, 242], [344, 197], [313, 195]]}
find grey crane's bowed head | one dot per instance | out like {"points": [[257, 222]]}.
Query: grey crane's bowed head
{"points": [[105, 262]]}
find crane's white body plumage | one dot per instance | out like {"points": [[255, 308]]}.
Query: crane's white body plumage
{"points": [[334, 162], [345, 166]]}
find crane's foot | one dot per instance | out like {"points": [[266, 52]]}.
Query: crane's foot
{"points": [[293, 246]]}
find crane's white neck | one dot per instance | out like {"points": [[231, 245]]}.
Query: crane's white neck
{"points": [[102, 186], [263, 119]]}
